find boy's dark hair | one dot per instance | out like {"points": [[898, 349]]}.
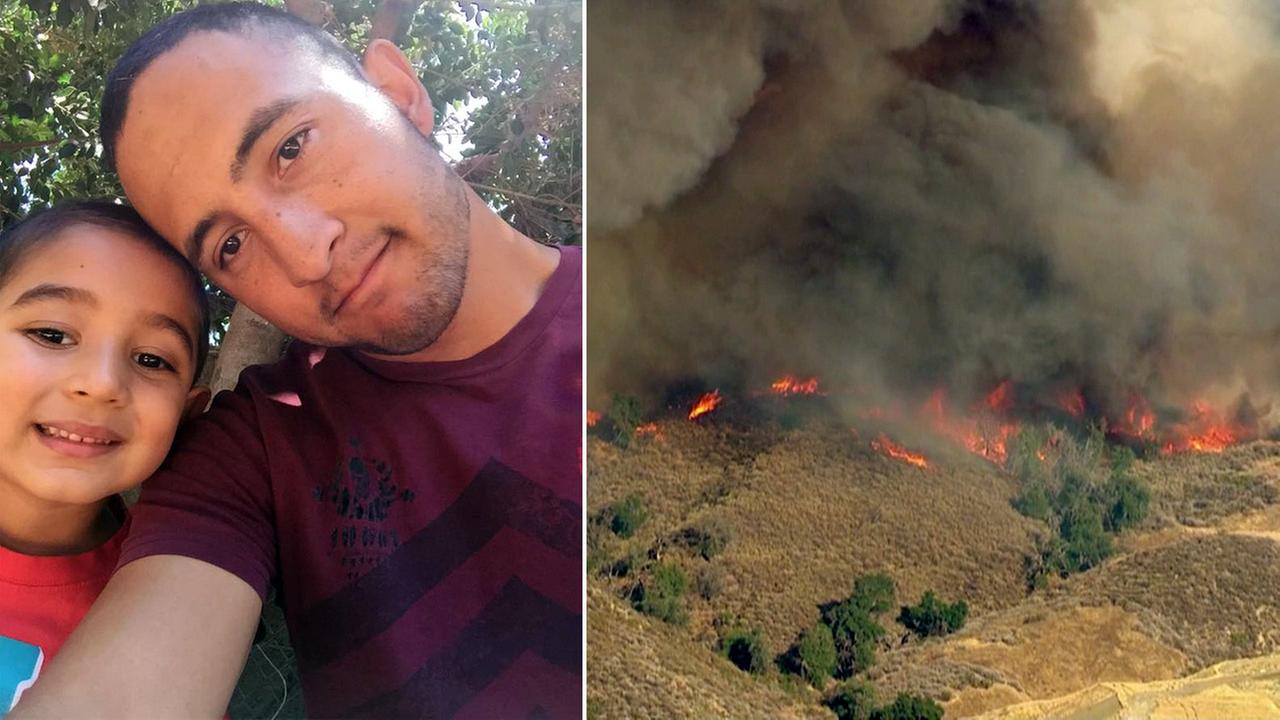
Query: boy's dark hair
{"points": [[18, 240], [230, 17]]}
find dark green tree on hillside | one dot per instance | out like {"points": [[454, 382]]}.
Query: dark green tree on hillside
{"points": [[932, 616]]}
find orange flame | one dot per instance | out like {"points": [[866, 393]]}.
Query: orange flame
{"points": [[883, 444], [1139, 421], [705, 404], [649, 429], [1206, 432], [982, 435], [1001, 399], [790, 385], [593, 417], [1072, 401]]}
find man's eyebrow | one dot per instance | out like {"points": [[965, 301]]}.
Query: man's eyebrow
{"points": [[164, 322], [259, 122], [195, 241], [49, 291]]}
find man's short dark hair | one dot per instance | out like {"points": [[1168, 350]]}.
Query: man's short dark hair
{"points": [[230, 17], [19, 240]]}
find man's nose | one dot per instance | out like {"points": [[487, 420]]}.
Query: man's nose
{"points": [[303, 240], [100, 374]]}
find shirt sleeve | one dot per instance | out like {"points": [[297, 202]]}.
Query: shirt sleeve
{"points": [[211, 500]]}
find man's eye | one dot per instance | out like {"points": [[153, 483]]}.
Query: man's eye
{"points": [[153, 362], [291, 149], [49, 336], [229, 247]]}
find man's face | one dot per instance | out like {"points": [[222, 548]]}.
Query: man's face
{"points": [[298, 188]]}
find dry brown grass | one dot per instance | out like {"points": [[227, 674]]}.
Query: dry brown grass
{"points": [[814, 508], [641, 668]]}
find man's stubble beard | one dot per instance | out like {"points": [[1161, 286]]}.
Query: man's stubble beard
{"points": [[442, 276]]}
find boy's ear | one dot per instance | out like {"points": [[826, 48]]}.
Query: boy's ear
{"points": [[390, 71], [197, 401]]}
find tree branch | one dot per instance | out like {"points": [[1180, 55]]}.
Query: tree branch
{"points": [[29, 144], [391, 19], [531, 198]]}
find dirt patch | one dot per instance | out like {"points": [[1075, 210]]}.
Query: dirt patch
{"points": [[1074, 649], [1235, 689]]}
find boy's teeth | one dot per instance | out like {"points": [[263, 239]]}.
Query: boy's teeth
{"points": [[58, 432]]}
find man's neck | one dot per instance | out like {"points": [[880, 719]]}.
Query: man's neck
{"points": [[506, 273], [33, 526]]}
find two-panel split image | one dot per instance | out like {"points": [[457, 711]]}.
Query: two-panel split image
{"points": [[544, 359]]}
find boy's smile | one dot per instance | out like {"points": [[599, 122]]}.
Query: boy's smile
{"points": [[85, 441], [97, 354]]}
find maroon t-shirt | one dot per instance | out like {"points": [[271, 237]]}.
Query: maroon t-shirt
{"points": [[422, 520]]}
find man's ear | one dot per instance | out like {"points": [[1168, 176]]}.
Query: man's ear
{"points": [[197, 401], [389, 70]]}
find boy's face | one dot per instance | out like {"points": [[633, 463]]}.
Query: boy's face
{"points": [[96, 362], [302, 191]]}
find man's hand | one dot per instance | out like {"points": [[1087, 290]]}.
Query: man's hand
{"points": [[168, 637]]}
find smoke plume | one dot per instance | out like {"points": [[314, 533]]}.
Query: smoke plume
{"points": [[899, 195]]}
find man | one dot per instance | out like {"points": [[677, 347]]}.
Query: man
{"points": [[409, 474]]}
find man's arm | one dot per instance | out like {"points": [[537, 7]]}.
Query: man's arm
{"points": [[168, 637]]}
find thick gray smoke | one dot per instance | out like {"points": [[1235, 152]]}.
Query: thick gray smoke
{"points": [[900, 194]]}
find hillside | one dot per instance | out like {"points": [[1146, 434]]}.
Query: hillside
{"points": [[807, 510]]}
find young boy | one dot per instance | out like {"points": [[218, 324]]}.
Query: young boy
{"points": [[103, 329]]}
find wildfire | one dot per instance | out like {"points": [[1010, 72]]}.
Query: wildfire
{"points": [[593, 417], [1139, 421], [1072, 402], [649, 430], [1001, 399], [984, 432], [790, 385], [1206, 432], [708, 402], [883, 444]]}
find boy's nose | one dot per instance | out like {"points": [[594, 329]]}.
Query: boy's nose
{"points": [[99, 377]]}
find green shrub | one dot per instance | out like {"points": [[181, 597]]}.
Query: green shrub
{"points": [[1083, 489], [1033, 502], [1127, 501], [855, 634], [1085, 542], [873, 593], [625, 414], [909, 707], [933, 616], [745, 648], [816, 653], [853, 700], [662, 594], [627, 515], [708, 582], [708, 538]]}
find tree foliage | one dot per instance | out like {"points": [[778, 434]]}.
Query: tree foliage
{"points": [[662, 594], [745, 648], [1082, 488], [932, 616], [853, 700]]}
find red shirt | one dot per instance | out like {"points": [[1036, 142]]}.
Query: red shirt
{"points": [[42, 599]]}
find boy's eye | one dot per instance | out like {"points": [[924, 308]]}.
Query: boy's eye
{"points": [[153, 362], [49, 336]]}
